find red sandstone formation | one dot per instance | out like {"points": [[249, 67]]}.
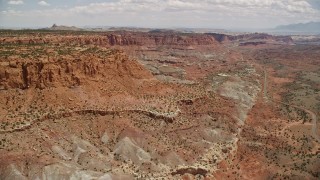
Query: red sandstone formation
{"points": [[167, 105]]}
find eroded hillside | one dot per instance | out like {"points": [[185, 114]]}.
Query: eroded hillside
{"points": [[125, 105]]}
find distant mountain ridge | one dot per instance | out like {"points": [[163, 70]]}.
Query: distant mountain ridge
{"points": [[63, 28], [300, 27]]}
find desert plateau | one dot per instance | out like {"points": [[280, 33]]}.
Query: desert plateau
{"points": [[158, 105], [160, 90]]}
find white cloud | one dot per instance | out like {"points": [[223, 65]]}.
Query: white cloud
{"points": [[43, 3], [292, 6], [166, 13], [15, 2], [11, 12]]}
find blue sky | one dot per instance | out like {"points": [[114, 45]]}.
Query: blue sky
{"points": [[226, 14]]}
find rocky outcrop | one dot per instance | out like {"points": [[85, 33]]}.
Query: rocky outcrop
{"points": [[67, 72], [252, 43], [128, 150], [117, 39], [220, 37], [191, 170], [125, 38], [12, 172], [223, 38], [243, 93]]}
